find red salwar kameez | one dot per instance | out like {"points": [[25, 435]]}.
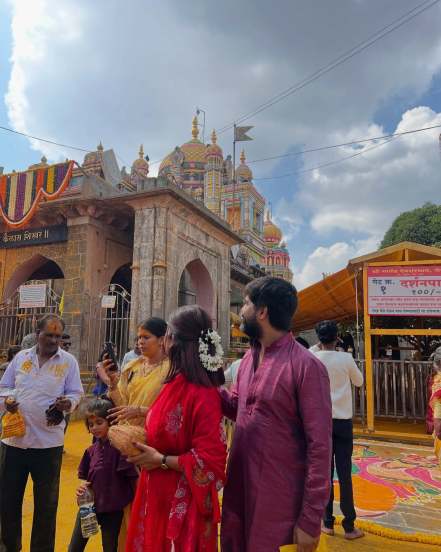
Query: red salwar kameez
{"points": [[175, 511]]}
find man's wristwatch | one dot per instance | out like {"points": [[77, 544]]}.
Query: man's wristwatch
{"points": [[164, 462]]}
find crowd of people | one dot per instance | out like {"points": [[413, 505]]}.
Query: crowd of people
{"points": [[292, 414]]}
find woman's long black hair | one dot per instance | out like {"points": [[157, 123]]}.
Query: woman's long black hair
{"points": [[187, 325]]}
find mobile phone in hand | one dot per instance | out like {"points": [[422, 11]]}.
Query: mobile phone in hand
{"points": [[109, 352]]}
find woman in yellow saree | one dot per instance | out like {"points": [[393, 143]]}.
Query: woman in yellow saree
{"points": [[135, 389]]}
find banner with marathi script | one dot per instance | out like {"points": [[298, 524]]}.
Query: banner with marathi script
{"points": [[413, 290], [20, 193]]}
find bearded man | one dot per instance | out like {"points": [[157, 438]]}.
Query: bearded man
{"points": [[278, 473]]}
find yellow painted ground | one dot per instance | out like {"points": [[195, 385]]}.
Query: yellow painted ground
{"points": [[78, 439]]}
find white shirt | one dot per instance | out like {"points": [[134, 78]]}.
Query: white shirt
{"points": [[128, 357], [315, 348], [231, 372], [35, 388], [342, 371]]}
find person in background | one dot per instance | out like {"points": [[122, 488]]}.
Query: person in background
{"points": [[37, 378], [66, 343], [343, 372], [12, 351], [435, 402], [111, 477], [278, 471], [133, 354], [29, 341], [231, 372]]}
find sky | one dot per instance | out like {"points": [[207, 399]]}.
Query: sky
{"points": [[78, 72]]}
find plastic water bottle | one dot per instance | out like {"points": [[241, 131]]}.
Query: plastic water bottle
{"points": [[89, 522]]}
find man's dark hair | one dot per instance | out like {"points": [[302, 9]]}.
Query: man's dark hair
{"points": [[42, 323], [278, 296], [65, 336], [327, 331]]}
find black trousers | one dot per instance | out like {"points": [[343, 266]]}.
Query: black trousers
{"points": [[44, 466], [110, 524], [342, 445]]}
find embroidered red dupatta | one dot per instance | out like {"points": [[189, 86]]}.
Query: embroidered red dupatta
{"points": [[180, 511]]}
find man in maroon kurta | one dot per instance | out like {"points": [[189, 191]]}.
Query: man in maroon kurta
{"points": [[278, 472]]}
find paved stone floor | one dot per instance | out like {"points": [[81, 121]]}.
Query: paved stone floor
{"points": [[395, 485]]}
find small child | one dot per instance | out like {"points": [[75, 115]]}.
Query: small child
{"points": [[112, 478]]}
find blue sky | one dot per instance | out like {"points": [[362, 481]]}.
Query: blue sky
{"points": [[135, 74]]}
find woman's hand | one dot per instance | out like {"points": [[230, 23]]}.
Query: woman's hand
{"points": [[82, 489], [107, 374], [124, 413], [148, 457]]}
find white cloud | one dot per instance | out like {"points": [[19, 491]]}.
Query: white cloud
{"points": [[86, 71], [135, 73], [327, 260], [366, 193]]}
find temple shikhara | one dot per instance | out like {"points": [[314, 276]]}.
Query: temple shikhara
{"points": [[107, 247]]}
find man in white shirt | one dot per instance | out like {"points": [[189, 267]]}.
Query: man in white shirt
{"points": [[37, 379], [343, 372]]}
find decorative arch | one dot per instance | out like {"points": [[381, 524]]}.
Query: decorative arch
{"points": [[123, 277], [196, 276], [37, 267]]}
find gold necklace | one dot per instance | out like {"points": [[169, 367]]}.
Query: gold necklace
{"points": [[147, 368]]}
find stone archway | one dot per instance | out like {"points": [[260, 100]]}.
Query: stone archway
{"points": [[196, 284], [37, 267]]}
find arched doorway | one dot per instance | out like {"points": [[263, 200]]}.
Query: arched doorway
{"points": [[109, 318], [196, 287], [17, 320], [39, 268]]}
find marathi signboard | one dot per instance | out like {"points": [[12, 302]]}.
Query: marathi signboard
{"points": [[108, 301], [33, 236], [413, 290], [32, 296]]}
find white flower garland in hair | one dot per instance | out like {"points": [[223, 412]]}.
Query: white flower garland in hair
{"points": [[211, 363]]}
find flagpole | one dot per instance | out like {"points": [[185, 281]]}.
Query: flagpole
{"points": [[234, 177]]}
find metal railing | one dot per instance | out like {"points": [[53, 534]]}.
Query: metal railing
{"points": [[400, 390], [16, 322]]}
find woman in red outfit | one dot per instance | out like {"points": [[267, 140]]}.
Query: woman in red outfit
{"points": [[176, 506]]}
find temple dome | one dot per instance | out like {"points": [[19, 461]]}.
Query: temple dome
{"points": [[271, 232], [194, 151], [141, 164], [213, 149], [243, 172]]}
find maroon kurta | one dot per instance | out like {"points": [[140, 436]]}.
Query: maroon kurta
{"points": [[280, 460]]}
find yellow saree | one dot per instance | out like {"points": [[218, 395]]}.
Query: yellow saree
{"points": [[137, 387]]}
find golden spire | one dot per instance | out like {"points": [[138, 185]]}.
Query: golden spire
{"points": [[195, 129], [242, 157], [100, 147], [141, 151], [213, 137]]}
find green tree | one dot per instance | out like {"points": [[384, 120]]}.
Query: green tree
{"points": [[421, 225]]}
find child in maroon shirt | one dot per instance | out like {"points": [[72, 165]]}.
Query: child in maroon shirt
{"points": [[111, 477]]}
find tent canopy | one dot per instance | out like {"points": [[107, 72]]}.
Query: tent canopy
{"points": [[336, 296]]}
